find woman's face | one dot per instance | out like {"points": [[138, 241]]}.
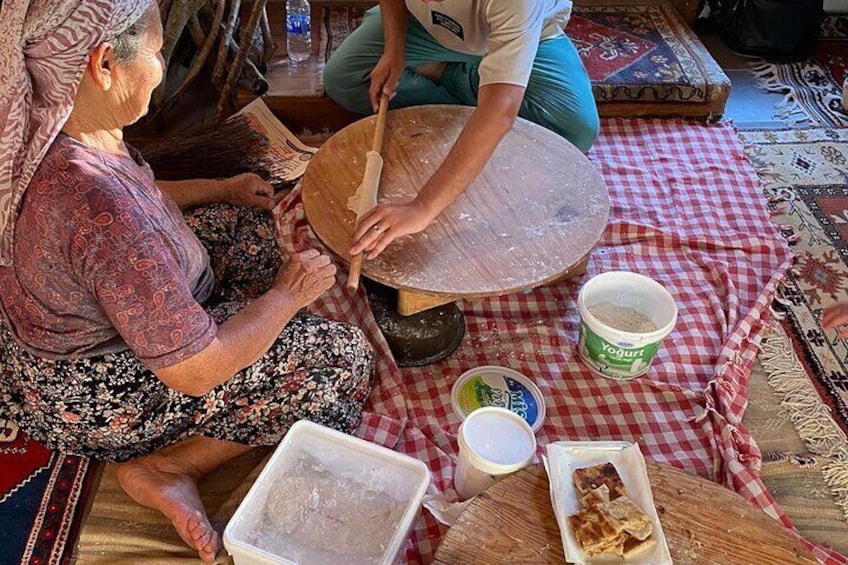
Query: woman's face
{"points": [[134, 80]]}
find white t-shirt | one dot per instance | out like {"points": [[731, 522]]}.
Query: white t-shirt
{"points": [[505, 32]]}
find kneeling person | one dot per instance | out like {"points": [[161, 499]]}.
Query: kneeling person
{"points": [[508, 57]]}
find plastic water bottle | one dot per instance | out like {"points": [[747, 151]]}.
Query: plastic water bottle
{"points": [[299, 38]]}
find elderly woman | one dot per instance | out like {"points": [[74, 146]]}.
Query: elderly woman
{"points": [[129, 334]]}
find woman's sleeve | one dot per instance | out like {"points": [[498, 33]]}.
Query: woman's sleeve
{"points": [[132, 268]]}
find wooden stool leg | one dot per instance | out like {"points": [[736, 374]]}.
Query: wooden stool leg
{"points": [[410, 303], [579, 268]]}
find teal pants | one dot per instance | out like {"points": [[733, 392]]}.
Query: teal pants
{"points": [[558, 96]]}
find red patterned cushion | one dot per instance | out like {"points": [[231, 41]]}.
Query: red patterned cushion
{"points": [[606, 50], [643, 59]]}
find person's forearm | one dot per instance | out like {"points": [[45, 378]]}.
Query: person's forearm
{"points": [[394, 16], [249, 334], [239, 343], [492, 119], [190, 193]]}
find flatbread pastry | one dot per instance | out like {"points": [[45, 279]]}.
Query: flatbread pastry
{"points": [[633, 546], [616, 546], [590, 478], [595, 531], [633, 520], [595, 496], [608, 522]]}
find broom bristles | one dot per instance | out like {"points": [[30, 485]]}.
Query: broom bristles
{"points": [[225, 150]]}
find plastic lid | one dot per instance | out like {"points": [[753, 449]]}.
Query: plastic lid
{"points": [[492, 385]]}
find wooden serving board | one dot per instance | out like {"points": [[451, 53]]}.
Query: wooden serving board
{"points": [[704, 523], [535, 211]]}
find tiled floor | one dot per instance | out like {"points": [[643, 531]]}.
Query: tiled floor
{"points": [[748, 106]]}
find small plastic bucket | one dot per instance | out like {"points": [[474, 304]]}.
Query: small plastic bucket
{"points": [[493, 442], [615, 353]]}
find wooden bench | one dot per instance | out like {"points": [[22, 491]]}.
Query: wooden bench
{"points": [[642, 56]]}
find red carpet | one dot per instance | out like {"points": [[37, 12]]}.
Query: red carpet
{"points": [[42, 494]]}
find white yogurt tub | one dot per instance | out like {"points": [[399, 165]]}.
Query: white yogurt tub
{"points": [[613, 352]]}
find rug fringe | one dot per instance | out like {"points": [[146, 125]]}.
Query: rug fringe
{"points": [[811, 417], [836, 476], [788, 109]]}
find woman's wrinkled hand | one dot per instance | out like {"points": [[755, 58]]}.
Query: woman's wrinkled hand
{"points": [[306, 276], [834, 317], [385, 77], [385, 223], [249, 190]]}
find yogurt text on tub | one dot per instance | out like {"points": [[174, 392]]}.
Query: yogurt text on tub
{"points": [[620, 353]]}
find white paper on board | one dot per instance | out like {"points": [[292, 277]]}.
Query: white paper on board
{"points": [[563, 457]]}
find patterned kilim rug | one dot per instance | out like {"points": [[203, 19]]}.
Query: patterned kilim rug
{"points": [[686, 211], [807, 181], [812, 88], [832, 48], [41, 496], [811, 95], [794, 469], [642, 54], [641, 57], [337, 22]]}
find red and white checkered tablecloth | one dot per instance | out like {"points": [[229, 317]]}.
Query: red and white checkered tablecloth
{"points": [[687, 211]]}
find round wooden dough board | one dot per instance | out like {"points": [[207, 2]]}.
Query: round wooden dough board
{"points": [[537, 208], [704, 523]]}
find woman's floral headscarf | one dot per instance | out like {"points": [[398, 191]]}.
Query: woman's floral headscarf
{"points": [[44, 47]]}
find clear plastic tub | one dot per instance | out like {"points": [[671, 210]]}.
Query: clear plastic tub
{"points": [[327, 497]]}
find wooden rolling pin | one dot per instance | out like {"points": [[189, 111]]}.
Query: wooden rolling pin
{"points": [[366, 194]]}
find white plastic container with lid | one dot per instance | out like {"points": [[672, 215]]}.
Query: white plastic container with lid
{"points": [[331, 469], [493, 442], [492, 385], [616, 353]]}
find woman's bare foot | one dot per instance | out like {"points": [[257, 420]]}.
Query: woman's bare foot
{"points": [[154, 481], [167, 481]]}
